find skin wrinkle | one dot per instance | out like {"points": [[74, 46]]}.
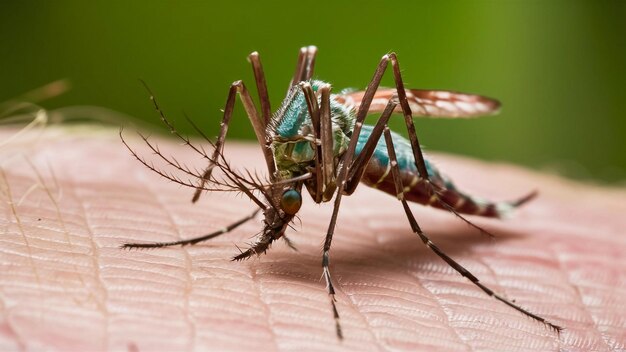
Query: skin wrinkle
{"points": [[434, 298], [513, 314], [226, 295], [437, 302], [339, 288], [9, 326], [542, 220], [392, 308], [41, 183], [188, 265], [363, 316], [446, 314], [156, 272], [96, 265], [266, 308], [13, 329], [431, 296], [7, 191], [299, 284], [497, 287], [149, 292], [502, 290], [90, 296], [581, 302], [390, 296], [508, 315]]}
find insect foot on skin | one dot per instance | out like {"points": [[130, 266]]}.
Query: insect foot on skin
{"points": [[318, 141]]}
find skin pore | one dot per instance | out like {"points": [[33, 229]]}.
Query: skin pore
{"points": [[70, 198]]}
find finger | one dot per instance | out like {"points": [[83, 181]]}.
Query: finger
{"points": [[66, 285]]}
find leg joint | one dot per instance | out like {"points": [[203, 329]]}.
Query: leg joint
{"points": [[325, 259]]}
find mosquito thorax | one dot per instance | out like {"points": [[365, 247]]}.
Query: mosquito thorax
{"points": [[291, 131]]}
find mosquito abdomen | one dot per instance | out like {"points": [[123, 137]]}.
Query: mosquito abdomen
{"points": [[417, 189]]}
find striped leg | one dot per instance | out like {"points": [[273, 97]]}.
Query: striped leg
{"points": [[456, 266]]}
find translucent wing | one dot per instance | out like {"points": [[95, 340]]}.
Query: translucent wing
{"points": [[431, 103]]}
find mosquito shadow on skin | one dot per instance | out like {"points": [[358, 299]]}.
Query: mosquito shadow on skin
{"points": [[396, 244], [291, 270], [389, 248], [393, 251]]}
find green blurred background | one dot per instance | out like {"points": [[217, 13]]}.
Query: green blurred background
{"points": [[557, 66]]}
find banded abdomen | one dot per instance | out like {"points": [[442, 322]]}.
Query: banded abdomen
{"points": [[378, 175]]}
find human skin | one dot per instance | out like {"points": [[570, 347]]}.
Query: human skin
{"points": [[70, 198]]}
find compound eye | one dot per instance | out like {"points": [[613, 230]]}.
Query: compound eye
{"points": [[291, 201]]}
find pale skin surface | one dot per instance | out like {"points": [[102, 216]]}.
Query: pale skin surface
{"points": [[65, 284]]}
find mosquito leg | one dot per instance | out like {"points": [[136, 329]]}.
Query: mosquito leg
{"points": [[456, 266], [310, 62], [361, 114], [358, 165], [408, 118], [368, 96], [194, 240], [314, 112], [289, 243], [322, 131], [327, 243], [297, 75], [346, 160], [304, 65], [367, 152], [261, 85], [257, 124], [326, 137]]}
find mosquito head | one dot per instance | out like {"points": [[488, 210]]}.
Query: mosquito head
{"points": [[284, 196], [279, 198], [284, 201], [290, 201]]}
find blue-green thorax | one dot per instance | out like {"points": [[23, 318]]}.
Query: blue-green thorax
{"points": [[291, 132]]}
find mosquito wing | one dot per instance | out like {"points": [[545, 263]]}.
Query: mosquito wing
{"points": [[430, 103]]}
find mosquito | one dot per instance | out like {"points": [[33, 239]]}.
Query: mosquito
{"points": [[318, 141]]}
